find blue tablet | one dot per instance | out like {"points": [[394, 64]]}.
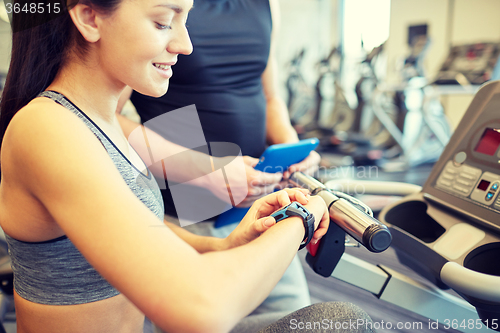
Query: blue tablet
{"points": [[276, 158]]}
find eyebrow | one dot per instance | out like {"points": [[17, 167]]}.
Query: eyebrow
{"points": [[175, 8]]}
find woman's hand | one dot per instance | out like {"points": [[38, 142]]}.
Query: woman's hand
{"points": [[257, 219], [318, 207]]}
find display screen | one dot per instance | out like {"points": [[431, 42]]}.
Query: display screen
{"points": [[489, 142], [483, 185]]}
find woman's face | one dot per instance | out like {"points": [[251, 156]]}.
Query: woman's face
{"points": [[140, 42]]}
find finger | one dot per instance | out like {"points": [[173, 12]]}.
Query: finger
{"points": [[264, 223], [283, 184], [304, 168], [311, 161], [251, 161], [322, 228], [325, 221], [283, 197], [318, 234], [298, 194], [259, 226], [266, 205], [259, 191], [270, 203], [274, 201], [259, 178], [310, 171], [288, 173]]}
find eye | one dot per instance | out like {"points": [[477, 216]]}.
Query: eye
{"points": [[163, 27]]}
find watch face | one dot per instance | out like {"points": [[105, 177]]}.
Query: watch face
{"points": [[296, 209], [293, 209]]}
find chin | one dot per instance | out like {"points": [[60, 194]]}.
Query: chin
{"points": [[155, 91], [159, 94]]}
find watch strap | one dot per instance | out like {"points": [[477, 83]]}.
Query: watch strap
{"points": [[296, 209], [309, 226]]}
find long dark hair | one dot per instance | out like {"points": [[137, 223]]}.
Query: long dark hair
{"points": [[40, 45]]}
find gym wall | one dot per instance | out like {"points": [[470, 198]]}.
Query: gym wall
{"points": [[309, 24], [450, 22]]}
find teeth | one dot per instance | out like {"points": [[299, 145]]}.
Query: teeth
{"points": [[160, 66]]}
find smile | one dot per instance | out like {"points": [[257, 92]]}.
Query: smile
{"points": [[165, 69], [162, 66]]}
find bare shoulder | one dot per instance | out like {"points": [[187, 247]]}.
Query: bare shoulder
{"points": [[41, 143], [41, 114], [40, 126], [44, 138], [57, 160]]}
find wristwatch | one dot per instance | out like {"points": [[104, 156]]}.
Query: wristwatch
{"points": [[296, 209]]}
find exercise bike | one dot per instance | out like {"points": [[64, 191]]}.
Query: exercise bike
{"points": [[300, 99], [323, 112], [326, 111], [308, 105]]}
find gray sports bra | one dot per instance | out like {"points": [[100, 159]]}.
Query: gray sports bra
{"points": [[55, 272]]}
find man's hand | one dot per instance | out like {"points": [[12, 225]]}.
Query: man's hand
{"points": [[255, 185], [308, 166]]}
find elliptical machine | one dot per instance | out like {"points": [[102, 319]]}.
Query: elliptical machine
{"points": [[328, 115], [422, 129], [328, 99]]}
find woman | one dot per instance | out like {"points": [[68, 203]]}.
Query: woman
{"points": [[82, 220], [231, 78], [60, 187]]}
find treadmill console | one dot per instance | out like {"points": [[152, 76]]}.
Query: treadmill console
{"points": [[450, 231], [467, 176]]}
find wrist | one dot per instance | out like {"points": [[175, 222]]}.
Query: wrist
{"points": [[221, 244], [200, 162], [297, 224], [290, 137]]}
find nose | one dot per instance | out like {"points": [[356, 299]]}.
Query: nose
{"points": [[181, 43]]}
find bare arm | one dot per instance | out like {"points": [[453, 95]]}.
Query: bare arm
{"points": [[125, 241], [199, 243], [279, 128], [246, 182]]}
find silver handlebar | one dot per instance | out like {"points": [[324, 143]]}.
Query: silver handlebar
{"points": [[350, 214]]}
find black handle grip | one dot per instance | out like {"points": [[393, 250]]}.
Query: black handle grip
{"points": [[324, 256]]}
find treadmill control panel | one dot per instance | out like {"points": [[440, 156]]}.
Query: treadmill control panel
{"points": [[486, 191], [459, 179], [467, 176], [470, 182]]}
